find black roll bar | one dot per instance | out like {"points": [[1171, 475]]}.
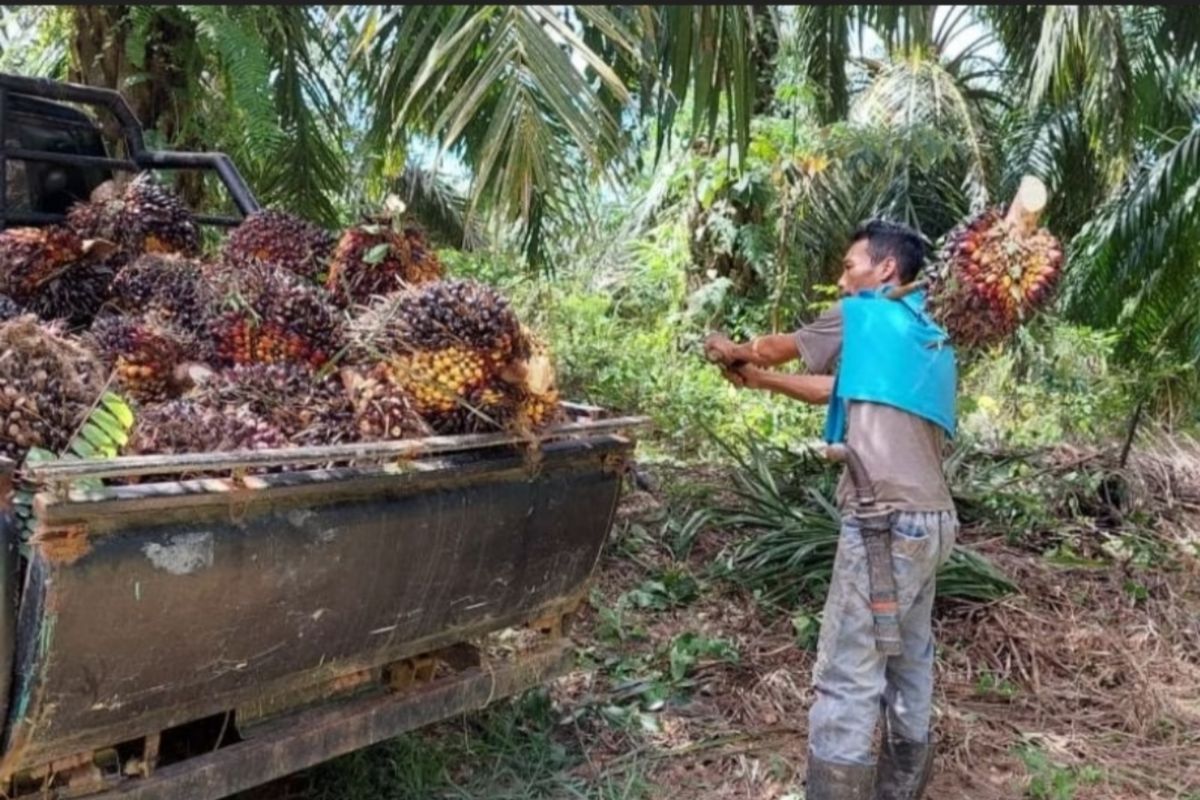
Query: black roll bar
{"points": [[139, 158]]}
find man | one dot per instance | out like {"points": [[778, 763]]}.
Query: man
{"points": [[894, 406]]}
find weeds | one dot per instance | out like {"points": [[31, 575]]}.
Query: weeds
{"points": [[516, 750], [1051, 781]]}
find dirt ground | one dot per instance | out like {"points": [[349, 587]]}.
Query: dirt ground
{"points": [[1071, 689]]}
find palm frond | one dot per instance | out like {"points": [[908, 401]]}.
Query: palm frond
{"points": [[439, 207], [919, 92], [705, 52], [786, 499], [497, 84], [1140, 251], [823, 31], [310, 169], [33, 40]]}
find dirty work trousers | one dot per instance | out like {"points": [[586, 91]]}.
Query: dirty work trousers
{"points": [[854, 681]]}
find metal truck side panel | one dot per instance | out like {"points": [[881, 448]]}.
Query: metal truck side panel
{"points": [[164, 619]]}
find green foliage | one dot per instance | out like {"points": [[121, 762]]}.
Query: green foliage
{"points": [[102, 435], [988, 685], [1054, 382], [622, 340], [689, 649], [1134, 264], [514, 750], [675, 587], [1049, 780]]}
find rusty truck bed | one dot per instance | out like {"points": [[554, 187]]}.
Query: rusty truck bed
{"points": [[149, 606]]}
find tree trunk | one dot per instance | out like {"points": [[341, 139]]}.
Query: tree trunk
{"points": [[160, 85]]}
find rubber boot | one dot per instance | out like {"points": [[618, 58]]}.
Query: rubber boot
{"points": [[829, 781], [904, 769]]}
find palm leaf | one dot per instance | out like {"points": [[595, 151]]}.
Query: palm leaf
{"points": [[1139, 254]]}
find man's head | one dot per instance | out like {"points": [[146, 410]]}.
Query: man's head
{"points": [[881, 253]]}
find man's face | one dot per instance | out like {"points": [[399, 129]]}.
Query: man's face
{"points": [[859, 274]]}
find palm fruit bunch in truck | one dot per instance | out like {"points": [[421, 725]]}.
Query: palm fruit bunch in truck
{"points": [[295, 463]]}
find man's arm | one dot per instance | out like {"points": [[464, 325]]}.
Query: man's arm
{"points": [[814, 389], [765, 351]]}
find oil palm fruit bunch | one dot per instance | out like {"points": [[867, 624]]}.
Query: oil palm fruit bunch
{"points": [[382, 409], [190, 426], [306, 410], [277, 318], [32, 257], [445, 343], [48, 383], [144, 355], [439, 381], [464, 314], [157, 220], [991, 278], [424, 265], [78, 293], [146, 217], [170, 288], [374, 259], [279, 239], [101, 216]]}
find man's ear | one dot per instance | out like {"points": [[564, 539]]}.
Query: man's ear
{"points": [[889, 269]]}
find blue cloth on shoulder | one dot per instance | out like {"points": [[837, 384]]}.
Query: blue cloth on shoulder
{"points": [[893, 353]]}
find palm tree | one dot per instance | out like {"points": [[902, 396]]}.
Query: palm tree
{"points": [[253, 81]]}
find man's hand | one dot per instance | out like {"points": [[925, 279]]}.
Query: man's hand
{"points": [[752, 377], [765, 351], [734, 376], [719, 348]]}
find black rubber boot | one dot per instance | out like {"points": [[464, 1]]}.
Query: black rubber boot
{"points": [[829, 781], [904, 769]]}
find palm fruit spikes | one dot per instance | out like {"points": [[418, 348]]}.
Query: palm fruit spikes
{"points": [[77, 294], [446, 314], [304, 409], [145, 356], [170, 288], [995, 271], [374, 259], [382, 410], [157, 220], [146, 217], [32, 257], [424, 265], [189, 426], [277, 318], [48, 383], [277, 238]]}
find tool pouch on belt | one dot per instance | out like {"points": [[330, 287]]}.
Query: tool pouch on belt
{"points": [[876, 529]]}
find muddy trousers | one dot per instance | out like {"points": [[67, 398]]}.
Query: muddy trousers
{"points": [[853, 681]]}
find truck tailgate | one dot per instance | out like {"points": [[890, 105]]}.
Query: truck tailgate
{"points": [[148, 606]]}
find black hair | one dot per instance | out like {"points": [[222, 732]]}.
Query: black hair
{"points": [[893, 239]]}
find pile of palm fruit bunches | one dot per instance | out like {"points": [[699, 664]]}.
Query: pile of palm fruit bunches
{"points": [[285, 336]]}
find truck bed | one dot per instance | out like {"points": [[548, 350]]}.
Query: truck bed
{"points": [[147, 606]]}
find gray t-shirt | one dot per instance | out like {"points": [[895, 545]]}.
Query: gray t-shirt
{"points": [[901, 451]]}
